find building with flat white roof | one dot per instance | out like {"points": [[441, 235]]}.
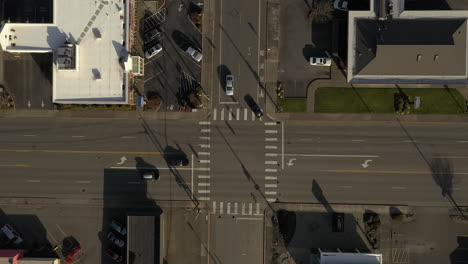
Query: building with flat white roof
{"points": [[88, 39]]}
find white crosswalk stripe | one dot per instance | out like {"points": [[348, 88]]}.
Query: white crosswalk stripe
{"points": [[236, 113], [232, 208]]}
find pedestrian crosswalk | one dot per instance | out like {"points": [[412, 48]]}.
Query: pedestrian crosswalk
{"points": [[203, 190], [234, 114], [271, 161], [237, 208]]}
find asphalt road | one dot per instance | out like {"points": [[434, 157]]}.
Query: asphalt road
{"points": [[99, 159], [236, 43], [408, 163]]}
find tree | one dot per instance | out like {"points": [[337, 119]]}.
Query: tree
{"points": [[320, 11]]}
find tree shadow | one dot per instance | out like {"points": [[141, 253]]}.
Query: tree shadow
{"points": [[318, 194], [443, 176]]}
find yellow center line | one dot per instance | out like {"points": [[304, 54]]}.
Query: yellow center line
{"points": [[394, 172], [81, 151], [19, 165]]}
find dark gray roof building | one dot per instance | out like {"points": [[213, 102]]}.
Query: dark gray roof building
{"points": [[143, 239], [410, 47]]}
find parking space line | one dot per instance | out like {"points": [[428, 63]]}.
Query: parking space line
{"points": [[271, 185], [214, 113], [271, 131], [274, 178], [237, 114], [222, 114], [271, 139], [205, 138], [203, 176], [245, 113], [271, 200], [204, 153], [253, 116], [204, 145], [230, 114], [271, 193], [270, 123], [206, 130], [271, 147], [214, 207], [204, 191], [271, 154], [204, 123], [205, 161], [271, 162], [204, 198], [271, 170]]}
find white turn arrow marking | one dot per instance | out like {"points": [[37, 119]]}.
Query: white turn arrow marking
{"points": [[42, 104], [290, 162], [29, 104], [122, 160], [366, 164]]}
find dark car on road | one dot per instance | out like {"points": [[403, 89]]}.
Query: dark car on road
{"points": [[253, 105]]}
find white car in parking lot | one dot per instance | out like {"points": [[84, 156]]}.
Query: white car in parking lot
{"points": [[195, 54], [320, 61], [153, 51], [229, 85]]}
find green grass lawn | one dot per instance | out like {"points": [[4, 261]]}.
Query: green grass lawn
{"points": [[381, 100], [293, 105]]}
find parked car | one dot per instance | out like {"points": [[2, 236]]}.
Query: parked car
{"points": [[195, 54], [118, 227], [341, 5], [11, 234], [153, 51], [150, 35], [116, 257], [320, 61], [150, 175], [114, 239], [229, 85], [74, 251]]}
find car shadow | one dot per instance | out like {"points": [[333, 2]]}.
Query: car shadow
{"points": [[223, 71]]}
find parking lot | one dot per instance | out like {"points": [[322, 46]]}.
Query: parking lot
{"points": [[300, 40], [28, 79], [172, 73]]}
